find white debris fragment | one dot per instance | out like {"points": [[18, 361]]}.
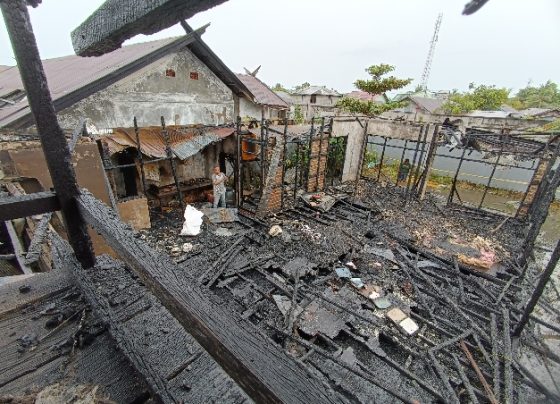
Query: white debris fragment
{"points": [[193, 221], [187, 247], [396, 315], [409, 326], [374, 295], [275, 231]]}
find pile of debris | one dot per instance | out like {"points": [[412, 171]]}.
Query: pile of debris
{"points": [[414, 309]]}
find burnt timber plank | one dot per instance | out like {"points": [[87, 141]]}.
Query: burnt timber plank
{"points": [[18, 248], [118, 20], [49, 359], [14, 207], [260, 368], [176, 367], [53, 141]]}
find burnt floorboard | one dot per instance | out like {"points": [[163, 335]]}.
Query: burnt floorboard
{"points": [[48, 336]]}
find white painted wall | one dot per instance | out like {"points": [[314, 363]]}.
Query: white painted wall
{"points": [[148, 94]]}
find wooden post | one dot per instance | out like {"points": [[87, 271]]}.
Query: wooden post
{"points": [[140, 157], [409, 182], [539, 216], [237, 176], [320, 154], [538, 291], [169, 153], [284, 152], [493, 171], [454, 185], [417, 174], [309, 146], [382, 157], [429, 163], [53, 141]]}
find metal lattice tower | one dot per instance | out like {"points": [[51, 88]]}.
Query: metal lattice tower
{"points": [[428, 65]]}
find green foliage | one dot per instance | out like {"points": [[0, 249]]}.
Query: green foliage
{"points": [[368, 108], [544, 96], [370, 159], [553, 126], [280, 87], [301, 87], [298, 159], [378, 84], [337, 153], [482, 97], [298, 115]]}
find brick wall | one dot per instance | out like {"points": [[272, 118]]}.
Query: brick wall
{"points": [[271, 200], [318, 163]]}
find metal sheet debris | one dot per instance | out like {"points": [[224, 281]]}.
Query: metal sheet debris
{"points": [[380, 252], [343, 272], [221, 215], [319, 201], [409, 326]]}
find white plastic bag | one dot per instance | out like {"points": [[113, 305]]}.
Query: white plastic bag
{"points": [[193, 221]]}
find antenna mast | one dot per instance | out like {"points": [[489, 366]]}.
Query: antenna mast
{"points": [[428, 65]]}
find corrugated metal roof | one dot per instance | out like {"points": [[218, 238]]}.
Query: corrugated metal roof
{"points": [[362, 95], [429, 104], [262, 94], [285, 96], [318, 90], [71, 78], [184, 143], [489, 114], [70, 73]]}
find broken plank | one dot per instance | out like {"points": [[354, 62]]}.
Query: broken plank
{"points": [[174, 365], [36, 245], [18, 248], [118, 20], [261, 369], [14, 207]]}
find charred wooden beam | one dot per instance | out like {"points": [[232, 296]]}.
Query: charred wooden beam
{"points": [[14, 207], [53, 141], [18, 247], [264, 372], [473, 6], [39, 234], [118, 20], [538, 291]]}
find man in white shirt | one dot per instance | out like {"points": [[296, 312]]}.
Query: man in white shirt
{"points": [[218, 181]]}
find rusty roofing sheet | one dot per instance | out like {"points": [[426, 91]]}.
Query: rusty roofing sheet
{"points": [[263, 95], [184, 143], [69, 73]]}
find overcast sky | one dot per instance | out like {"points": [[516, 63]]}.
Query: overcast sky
{"points": [[506, 43]]}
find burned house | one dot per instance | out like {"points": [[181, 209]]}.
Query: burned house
{"points": [[359, 292], [148, 161]]}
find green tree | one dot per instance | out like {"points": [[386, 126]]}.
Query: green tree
{"points": [[482, 97], [377, 84], [544, 96], [298, 115], [301, 87], [280, 87]]}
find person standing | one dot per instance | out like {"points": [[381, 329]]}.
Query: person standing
{"points": [[218, 181], [404, 169]]}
